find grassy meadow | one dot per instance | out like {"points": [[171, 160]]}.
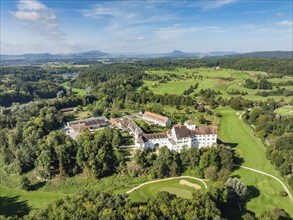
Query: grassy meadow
{"points": [[251, 152], [76, 91], [285, 110], [16, 201], [210, 78]]}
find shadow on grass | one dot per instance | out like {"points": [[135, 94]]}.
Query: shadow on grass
{"points": [[237, 159], [11, 206], [36, 186], [253, 192], [231, 145]]}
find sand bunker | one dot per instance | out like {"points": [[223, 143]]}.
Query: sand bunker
{"points": [[186, 183]]}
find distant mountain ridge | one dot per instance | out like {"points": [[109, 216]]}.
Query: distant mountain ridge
{"points": [[176, 54], [93, 54], [265, 54]]}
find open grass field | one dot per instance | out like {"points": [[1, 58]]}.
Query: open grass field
{"points": [[116, 184], [16, 201], [171, 186], [251, 151], [76, 91], [285, 110], [211, 78]]}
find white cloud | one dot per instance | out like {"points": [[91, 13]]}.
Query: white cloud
{"points": [[280, 14], [98, 12], [39, 18], [39, 47], [213, 4], [174, 32], [285, 23], [26, 15], [30, 5]]}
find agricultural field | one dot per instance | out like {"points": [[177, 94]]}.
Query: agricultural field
{"points": [[210, 78], [285, 110], [176, 186], [251, 152]]}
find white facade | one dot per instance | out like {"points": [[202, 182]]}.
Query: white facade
{"points": [[178, 138]]}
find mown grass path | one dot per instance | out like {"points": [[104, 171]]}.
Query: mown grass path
{"points": [[258, 171], [252, 153]]}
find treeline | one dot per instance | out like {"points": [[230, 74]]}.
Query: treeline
{"points": [[24, 84], [34, 73], [278, 92], [213, 163], [111, 74], [95, 205], [277, 67], [22, 91], [262, 84]]}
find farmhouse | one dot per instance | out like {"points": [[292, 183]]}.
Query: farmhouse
{"points": [[178, 137], [90, 123], [156, 119]]}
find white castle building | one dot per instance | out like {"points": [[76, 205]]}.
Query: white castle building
{"points": [[180, 136]]}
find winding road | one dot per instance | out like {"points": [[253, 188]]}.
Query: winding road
{"points": [[161, 180], [276, 178]]}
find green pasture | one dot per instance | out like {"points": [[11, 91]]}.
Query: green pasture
{"points": [[285, 110], [20, 202], [211, 78], [76, 91], [172, 186], [283, 79], [251, 152]]}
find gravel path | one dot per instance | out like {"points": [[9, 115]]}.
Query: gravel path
{"points": [[161, 180]]}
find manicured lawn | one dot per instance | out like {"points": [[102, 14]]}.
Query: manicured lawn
{"points": [[16, 201], [171, 186], [250, 149], [285, 110]]}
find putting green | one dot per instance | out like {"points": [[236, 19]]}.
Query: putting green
{"points": [[172, 186]]}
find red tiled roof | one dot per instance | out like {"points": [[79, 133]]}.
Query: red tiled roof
{"points": [[156, 117], [67, 109], [113, 121], [205, 130], [155, 135], [182, 131]]}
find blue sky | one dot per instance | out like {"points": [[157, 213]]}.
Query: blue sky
{"points": [[149, 26]]}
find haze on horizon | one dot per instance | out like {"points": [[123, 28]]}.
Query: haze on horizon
{"points": [[148, 26]]}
